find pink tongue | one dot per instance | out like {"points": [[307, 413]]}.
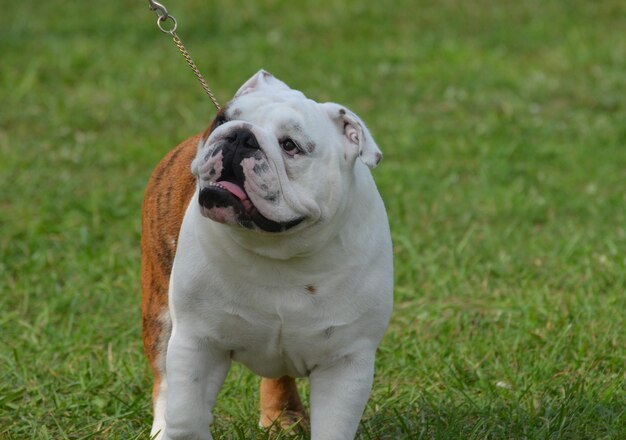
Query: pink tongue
{"points": [[234, 189]]}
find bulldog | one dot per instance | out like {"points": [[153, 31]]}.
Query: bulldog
{"points": [[265, 241]]}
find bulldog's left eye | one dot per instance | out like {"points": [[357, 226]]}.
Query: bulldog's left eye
{"points": [[290, 146]]}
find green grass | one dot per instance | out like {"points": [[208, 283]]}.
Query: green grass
{"points": [[504, 133]]}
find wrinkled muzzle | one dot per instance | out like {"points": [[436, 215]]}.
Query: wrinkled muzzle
{"points": [[238, 184]]}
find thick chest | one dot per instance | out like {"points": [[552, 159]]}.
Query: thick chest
{"points": [[280, 316], [278, 330]]}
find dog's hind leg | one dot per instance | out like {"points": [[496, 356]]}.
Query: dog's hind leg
{"points": [[281, 404]]}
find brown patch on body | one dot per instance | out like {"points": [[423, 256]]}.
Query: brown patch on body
{"points": [[166, 198], [280, 403], [311, 289]]}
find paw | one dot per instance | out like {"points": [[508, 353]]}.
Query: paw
{"points": [[286, 421]]}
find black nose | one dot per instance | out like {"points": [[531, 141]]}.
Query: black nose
{"points": [[243, 137]]}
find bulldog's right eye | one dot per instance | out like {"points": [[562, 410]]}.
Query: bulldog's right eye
{"points": [[290, 146], [219, 120]]}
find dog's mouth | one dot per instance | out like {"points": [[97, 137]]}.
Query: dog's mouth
{"points": [[232, 188], [225, 201]]}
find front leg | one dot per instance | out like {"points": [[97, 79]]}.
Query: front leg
{"points": [[339, 394], [195, 373]]}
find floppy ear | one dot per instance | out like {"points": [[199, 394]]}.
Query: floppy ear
{"points": [[261, 79], [358, 141]]}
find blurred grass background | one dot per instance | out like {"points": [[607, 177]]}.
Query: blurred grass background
{"points": [[504, 131]]}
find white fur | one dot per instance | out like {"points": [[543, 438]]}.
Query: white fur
{"points": [[238, 294]]}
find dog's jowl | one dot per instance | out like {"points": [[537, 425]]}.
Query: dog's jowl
{"points": [[265, 242]]}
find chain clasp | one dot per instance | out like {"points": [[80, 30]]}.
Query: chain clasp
{"points": [[159, 10]]}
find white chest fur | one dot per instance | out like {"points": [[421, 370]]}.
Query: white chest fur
{"points": [[279, 316]]}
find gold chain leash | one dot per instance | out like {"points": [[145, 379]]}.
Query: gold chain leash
{"points": [[163, 16]]}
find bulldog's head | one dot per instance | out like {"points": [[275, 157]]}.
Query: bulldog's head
{"points": [[276, 161]]}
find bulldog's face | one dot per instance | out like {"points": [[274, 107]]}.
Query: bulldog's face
{"points": [[275, 161]]}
